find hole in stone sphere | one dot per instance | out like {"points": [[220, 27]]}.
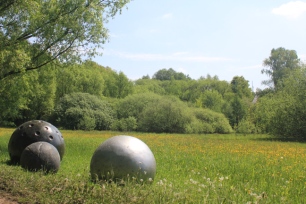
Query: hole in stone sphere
{"points": [[51, 137], [20, 127], [23, 134], [31, 125], [46, 128], [37, 133]]}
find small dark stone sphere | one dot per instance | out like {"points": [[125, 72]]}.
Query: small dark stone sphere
{"points": [[34, 131], [123, 157], [40, 156]]}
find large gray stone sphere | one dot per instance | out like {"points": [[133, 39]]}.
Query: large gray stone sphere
{"points": [[40, 156], [122, 157], [34, 131]]}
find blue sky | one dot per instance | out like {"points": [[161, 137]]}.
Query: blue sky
{"points": [[198, 37]]}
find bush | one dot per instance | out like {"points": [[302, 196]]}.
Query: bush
{"points": [[133, 105], [210, 121], [246, 127], [83, 111], [199, 127], [125, 124], [86, 123], [168, 114]]}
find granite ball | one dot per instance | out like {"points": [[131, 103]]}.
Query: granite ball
{"points": [[123, 157], [31, 132], [40, 156]]}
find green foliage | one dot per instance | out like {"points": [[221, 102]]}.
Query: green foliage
{"points": [[84, 111], [86, 77], [147, 85], [211, 100], [240, 87], [281, 62], [155, 113], [125, 124], [283, 113], [28, 96], [168, 74], [168, 114], [239, 111], [207, 121], [289, 119], [133, 105], [117, 85], [246, 127], [35, 33]]}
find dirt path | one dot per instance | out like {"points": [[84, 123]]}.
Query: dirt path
{"points": [[6, 198]]}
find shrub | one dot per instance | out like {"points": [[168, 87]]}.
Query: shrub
{"points": [[168, 114], [125, 124], [211, 122], [133, 105], [246, 127], [84, 111]]}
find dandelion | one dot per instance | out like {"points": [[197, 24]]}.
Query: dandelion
{"points": [[193, 181], [221, 178], [160, 183]]}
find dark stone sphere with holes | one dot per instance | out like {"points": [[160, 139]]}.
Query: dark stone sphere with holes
{"points": [[123, 157], [40, 156], [34, 131]]}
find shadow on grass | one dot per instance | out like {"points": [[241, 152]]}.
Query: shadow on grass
{"points": [[11, 163]]}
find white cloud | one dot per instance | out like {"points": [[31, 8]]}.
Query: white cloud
{"points": [[293, 9], [167, 16], [178, 56]]}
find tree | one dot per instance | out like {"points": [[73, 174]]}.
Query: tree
{"points": [[280, 63], [211, 100], [148, 85], [240, 86], [286, 108], [27, 96], [34, 33], [167, 74], [117, 85], [125, 86], [86, 77]]}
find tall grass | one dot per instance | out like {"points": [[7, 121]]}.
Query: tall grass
{"points": [[190, 169]]}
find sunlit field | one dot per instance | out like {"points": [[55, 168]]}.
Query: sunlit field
{"points": [[190, 169]]}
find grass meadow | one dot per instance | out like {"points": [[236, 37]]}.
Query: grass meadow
{"points": [[190, 169]]}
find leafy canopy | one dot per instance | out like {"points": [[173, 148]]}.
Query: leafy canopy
{"points": [[281, 62], [34, 33]]}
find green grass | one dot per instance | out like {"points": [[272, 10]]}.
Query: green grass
{"points": [[190, 169]]}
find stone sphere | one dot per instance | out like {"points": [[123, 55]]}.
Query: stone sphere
{"points": [[34, 131], [40, 156], [122, 157]]}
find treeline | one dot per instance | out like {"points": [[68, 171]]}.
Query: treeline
{"points": [[88, 96]]}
